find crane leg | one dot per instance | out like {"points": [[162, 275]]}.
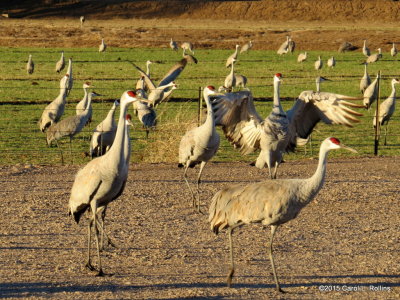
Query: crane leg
{"points": [[273, 229], [275, 170], [202, 165], [89, 264], [70, 149], [94, 211], [187, 183], [232, 268], [104, 235], [385, 134]]}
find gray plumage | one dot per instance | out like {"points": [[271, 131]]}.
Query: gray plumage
{"points": [[146, 115], [141, 83], [232, 57], [82, 20], [365, 49], [246, 47], [173, 45], [70, 81], [284, 48], [102, 180], [302, 57], [371, 93], [271, 203], [199, 145], [374, 57], [30, 65], [240, 81], [104, 133], [347, 46], [81, 105], [60, 65], [230, 79], [387, 108], [71, 125], [318, 63], [318, 82], [365, 80], [278, 133], [187, 46], [53, 112], [102, 46]]}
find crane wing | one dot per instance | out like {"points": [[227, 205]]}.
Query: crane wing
{"points": [[312, 107], [174, 72], [240, 122], [145, 77]]}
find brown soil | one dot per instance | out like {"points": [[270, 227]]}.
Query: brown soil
{"points": [[347, 238]]}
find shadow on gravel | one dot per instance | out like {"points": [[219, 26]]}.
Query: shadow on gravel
{"points": [[22, 290]]}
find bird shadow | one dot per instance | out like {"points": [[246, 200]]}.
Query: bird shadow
{"points": [[20, 290]]}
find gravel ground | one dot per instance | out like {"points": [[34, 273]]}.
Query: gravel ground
{"points": [[345, 243]]}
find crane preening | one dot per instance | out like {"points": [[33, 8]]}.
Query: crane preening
{"points": [[271, 203]]}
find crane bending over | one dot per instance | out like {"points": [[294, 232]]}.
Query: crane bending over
{"points": [[246, 130], [387, 108], [187, 46], [365, 80], [374, 57], [60, 65], [232, 57], [102, 180], [199, 145], [269, 202], [104, 133], [246, 47], [302, 57], [30, 65], [53, 112]]}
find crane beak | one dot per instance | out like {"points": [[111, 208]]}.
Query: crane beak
{"points": [[348, 148]]}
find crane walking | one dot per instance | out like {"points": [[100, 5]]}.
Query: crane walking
{"points": [[271, 202], [102, 180], [199, 145]]}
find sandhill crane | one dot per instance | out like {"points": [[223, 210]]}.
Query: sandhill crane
{"points": [[240, 81], [291, 45], [365, 80], [71, 125], [302, 57], [318, 81], [104, 133], [393, 50], [102, 180], [371, 93], [81, 106], [283, 49], [82, 20], [347, 46], [331, 62], [60, 65], [247, 131], [271, 202], [70, 81], [53, 112], [246, 47], [374, 57], [232, 57], [30, 65], [188, 46], [199, 145], [141, 83], [365, 49], [102, 46], [173, 45], [230, 79], [318, 63], [386, 109]]}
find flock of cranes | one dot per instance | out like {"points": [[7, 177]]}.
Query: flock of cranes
{"points": [[271, 202]]}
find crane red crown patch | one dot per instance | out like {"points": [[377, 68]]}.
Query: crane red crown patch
{"points": [[278, 75], [128, 117], [335, 140], [132, 94], [210, 87]]}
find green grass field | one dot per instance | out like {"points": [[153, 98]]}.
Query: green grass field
{"points": [[23, 98]]}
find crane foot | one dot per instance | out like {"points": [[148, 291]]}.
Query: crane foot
{"points": [[90, 267], [229, 278]]}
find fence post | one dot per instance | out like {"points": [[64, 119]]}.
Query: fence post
{"points": [[199, 108], [377, 127]]}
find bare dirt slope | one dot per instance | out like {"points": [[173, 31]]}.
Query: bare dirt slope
{"points": [[347, 239]]}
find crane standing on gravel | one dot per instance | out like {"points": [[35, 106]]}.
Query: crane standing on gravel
{"points": [[272, 202]]}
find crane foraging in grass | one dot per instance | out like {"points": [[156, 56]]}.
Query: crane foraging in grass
{"points": [[387, 108], [246, 130], [199, 145], [53, 112], [102, 180], [271, 203]]}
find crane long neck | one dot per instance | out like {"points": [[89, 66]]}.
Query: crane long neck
{"points": [[318, 86], [393, 93], [315, 182], [88, 105], [277, 109], [127, 144], [210, 122]]}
